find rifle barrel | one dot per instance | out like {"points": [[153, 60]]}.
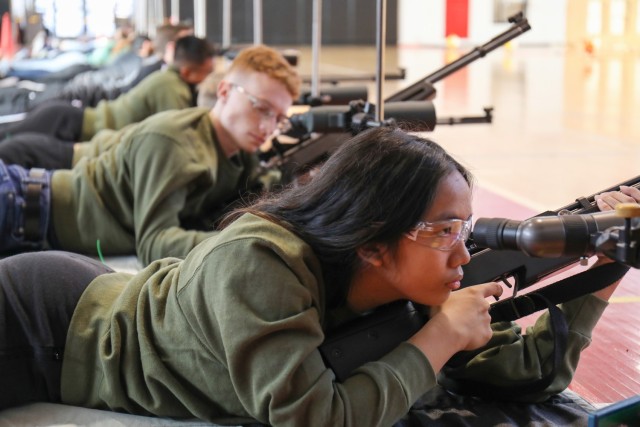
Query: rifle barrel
{"points": [[414, 91]]}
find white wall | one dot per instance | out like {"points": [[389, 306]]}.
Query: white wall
{"points": [[422, 22]]}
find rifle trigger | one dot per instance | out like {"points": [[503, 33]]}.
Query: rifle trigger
{"points": [[504, 280]]}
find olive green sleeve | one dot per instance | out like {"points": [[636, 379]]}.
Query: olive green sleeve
{"points": [[159, 197], [515, 358], [101, 142], [161, 91]]}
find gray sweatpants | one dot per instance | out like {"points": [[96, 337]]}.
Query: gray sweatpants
{"points": [[38, 294]]}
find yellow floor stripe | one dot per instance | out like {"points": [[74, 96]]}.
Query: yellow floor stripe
{"points": [[624, 299]]}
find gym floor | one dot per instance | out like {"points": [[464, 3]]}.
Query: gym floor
{"points": [[563, 127]]}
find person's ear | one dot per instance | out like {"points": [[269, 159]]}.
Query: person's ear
{"points": [[222, 92], [169, 51], [185, 72], [372, 254]]}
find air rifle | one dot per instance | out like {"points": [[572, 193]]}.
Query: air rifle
{"points": [[371, 336], [318, 132], [336, 123], [332, 95], [423, 89], [321, 130]]}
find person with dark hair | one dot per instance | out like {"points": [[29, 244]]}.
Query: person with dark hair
{"points": [[163, 43], [149, 188], [44, 150], [232, 332], [83, 85], [173, 88], [119, 76], [159, 51]]}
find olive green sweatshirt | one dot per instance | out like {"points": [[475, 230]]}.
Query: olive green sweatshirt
{"points": [[101, 142], [161, 91], [231, 333], [144, 194]]}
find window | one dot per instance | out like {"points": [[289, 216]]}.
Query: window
{"points": [[73, 18]]}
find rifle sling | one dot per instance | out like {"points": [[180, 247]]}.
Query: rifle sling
{"points": [[509, 309], [558, 292], [486, 390]]}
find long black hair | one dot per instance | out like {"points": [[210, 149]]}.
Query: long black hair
{"points": [[374, 188]]}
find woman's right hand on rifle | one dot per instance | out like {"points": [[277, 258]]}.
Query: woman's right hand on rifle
{"points": [[461, 323]]}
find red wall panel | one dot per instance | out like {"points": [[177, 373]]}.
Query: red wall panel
{"points": [[457, 18]]}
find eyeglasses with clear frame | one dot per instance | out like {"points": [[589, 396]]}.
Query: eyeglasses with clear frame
{"points": [[263, 108], [440, 235]]}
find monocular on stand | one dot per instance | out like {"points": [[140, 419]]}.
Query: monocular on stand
{"points": [[615, 234]]}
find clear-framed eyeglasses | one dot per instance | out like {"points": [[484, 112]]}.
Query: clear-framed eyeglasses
{"points": [[265, 110], [441, 235]]}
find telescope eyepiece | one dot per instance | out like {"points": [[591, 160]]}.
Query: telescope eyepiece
{"points": [[496, 233]]}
